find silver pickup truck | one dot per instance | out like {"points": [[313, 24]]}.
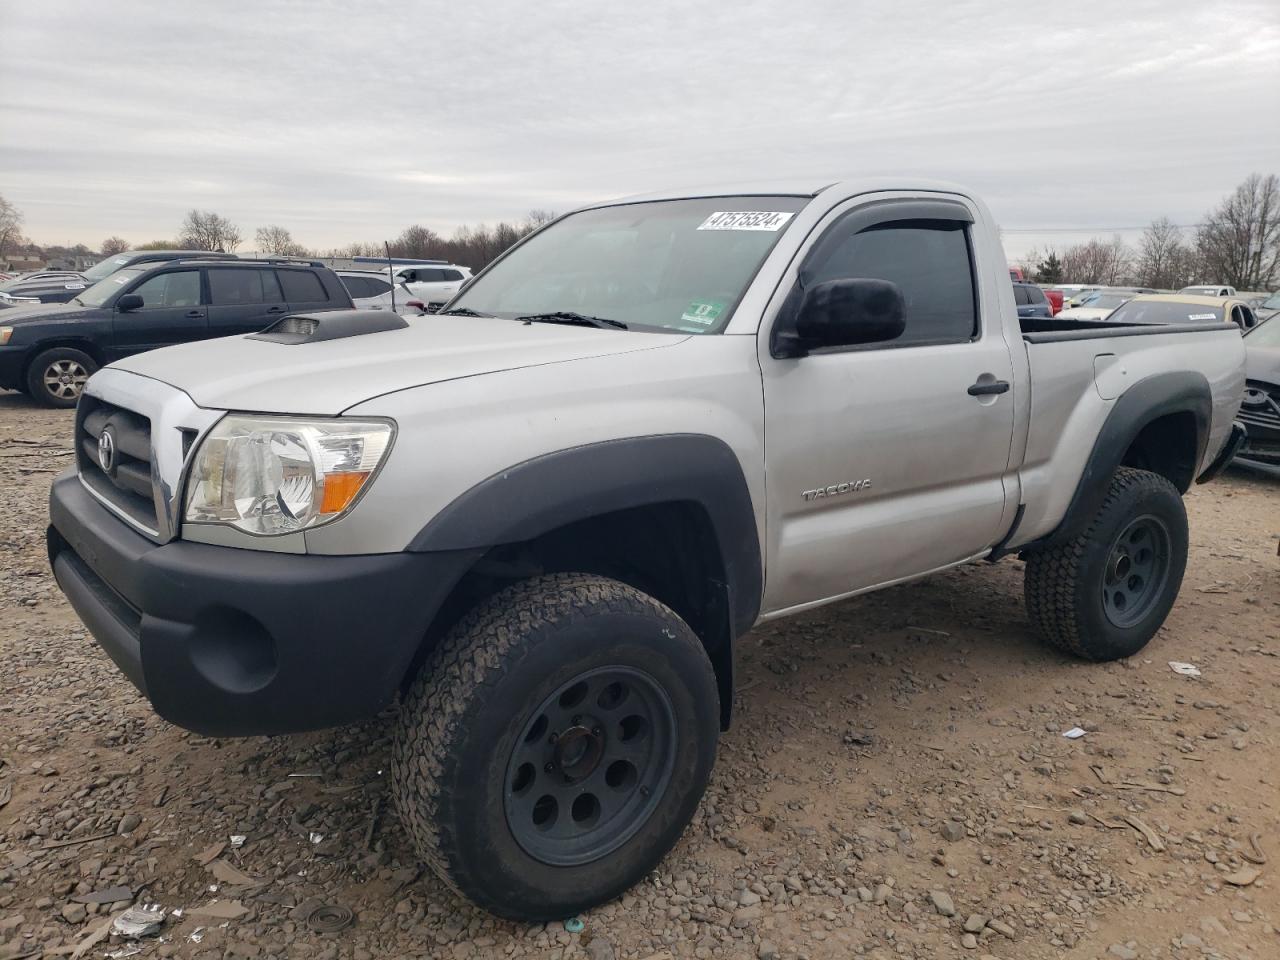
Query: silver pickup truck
{"points": [[539, 521]]}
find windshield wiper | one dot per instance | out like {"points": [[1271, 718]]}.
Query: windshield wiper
{"points": [[578, 319], [78, 300], [460, 312]]}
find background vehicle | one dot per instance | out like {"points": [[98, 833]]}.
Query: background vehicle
{"points": [[1184, 308], [372, 291], [1260, 410], [544, 518], [1269, 307], [41, 288], [1097, 304], [130, 258], [1209, 290], [434, 285], [1031, 301], [50, 351], [1056, 299]]}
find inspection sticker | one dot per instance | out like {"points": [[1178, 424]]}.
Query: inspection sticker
{"points": [[702, 312], [771, 220], [1202, 316]]}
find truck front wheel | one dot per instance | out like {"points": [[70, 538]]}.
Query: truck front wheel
{"points": [[555, 745], [1103, 594]]}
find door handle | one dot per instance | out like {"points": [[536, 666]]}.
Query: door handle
{"points": [[194, 314], [989, 388], [275, 309]]}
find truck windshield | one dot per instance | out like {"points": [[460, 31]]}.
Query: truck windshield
{"points": [[97, 295], [104, 268], [670, 265], [1265, 334], [1165, 311]]}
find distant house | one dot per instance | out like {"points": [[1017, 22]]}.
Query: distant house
{"points": [[76, 263], [21, 263]]}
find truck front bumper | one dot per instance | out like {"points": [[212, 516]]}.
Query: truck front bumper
{"points": [[231, 642]]}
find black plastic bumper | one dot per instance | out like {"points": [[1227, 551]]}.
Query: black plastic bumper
{"points": [[231, 642], [1228, 452], [13, 361]]}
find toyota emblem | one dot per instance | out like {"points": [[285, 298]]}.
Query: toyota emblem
{"points": [[107, 450]]}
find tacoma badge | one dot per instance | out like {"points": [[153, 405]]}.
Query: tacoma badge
{"points": [[835, 490]]}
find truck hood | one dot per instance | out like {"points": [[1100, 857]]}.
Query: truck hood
{"points": [[325, 378], [1262, 363]]}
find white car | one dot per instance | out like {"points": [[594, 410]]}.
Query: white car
{"points": [[432, 283], [1210, 290], [372, 291], [1097, 304]]}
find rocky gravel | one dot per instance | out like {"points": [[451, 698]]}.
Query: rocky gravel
{"points": [[896, 785]]}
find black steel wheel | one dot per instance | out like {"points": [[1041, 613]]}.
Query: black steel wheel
{"points": [[590, 766], [555, 745], [1136, 570]]}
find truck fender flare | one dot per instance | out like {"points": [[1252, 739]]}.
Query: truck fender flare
{"points": [[555, 489], [1181, 391]]}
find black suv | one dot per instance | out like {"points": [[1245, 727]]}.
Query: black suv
{"points": [[50, 350]]}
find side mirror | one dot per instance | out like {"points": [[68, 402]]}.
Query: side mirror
{"points": [[842, 313], [130, 301]]}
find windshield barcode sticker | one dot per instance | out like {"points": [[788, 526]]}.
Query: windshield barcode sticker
{"points": [[770, 220], [1201, 316]]}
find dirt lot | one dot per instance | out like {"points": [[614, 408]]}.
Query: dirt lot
{"points": [[896, 785]]}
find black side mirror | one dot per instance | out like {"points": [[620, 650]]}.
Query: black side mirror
{"points": [[842, 313], [130, 301]]}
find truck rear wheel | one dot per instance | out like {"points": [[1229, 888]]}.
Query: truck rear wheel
{"points": [[555, 745], [1103, 594]]}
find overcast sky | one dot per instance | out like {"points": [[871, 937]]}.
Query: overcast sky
{"points": [[349, 121]]}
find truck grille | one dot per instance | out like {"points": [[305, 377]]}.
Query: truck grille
{"points": [[123, 481], [1261, 406]]}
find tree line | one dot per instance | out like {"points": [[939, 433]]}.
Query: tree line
{"points": [[1238, 244]]}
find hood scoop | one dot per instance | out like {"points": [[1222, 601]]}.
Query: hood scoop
{"points": [[330, 325]]}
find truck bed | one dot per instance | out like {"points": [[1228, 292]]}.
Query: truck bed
{"points": [[1052, 329], [1079, 368]]}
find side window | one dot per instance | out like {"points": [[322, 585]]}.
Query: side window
{"points": [[301, 286], [1250, 318], [356, 286], [927, 259], [180, 289], [451, 275], [430, 275], [376, 286], [233, 286], [1036, 294], [1020, 295]]}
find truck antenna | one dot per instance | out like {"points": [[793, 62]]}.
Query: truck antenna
{"points": [[391, 275]]}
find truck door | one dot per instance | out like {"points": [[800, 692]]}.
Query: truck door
{"points": [[886, 461], [172, 312]]}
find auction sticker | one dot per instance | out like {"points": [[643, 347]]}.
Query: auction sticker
{"points": [[771, 220], [1202, 316], [702, 312]]}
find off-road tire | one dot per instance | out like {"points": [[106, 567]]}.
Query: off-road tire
{"points": [[1063, 585], [471, 702], [77, 361]]}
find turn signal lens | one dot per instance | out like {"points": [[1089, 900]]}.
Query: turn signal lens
{"points": [[340, 489]]}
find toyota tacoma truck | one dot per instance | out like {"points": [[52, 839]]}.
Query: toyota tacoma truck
{"points": [[538, 522]]}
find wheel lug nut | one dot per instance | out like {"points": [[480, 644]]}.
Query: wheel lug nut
{"points": [[553, 738], [550, 767], [596, 730], [577, 721]]}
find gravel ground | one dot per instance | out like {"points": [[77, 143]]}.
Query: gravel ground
{"points": [[896, 784]]}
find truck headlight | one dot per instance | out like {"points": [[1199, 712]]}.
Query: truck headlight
{"points": [[277, 475]]}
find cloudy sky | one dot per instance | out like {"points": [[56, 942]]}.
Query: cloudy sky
{"points": [[349, 121]]}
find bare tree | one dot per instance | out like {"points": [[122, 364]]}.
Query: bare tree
{"points": [[276, 241], [419, 243], [539, 217], [10, 226], [205, 230], [1239, 242], [113, 245], [1165, 260], [1098, 261]]}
